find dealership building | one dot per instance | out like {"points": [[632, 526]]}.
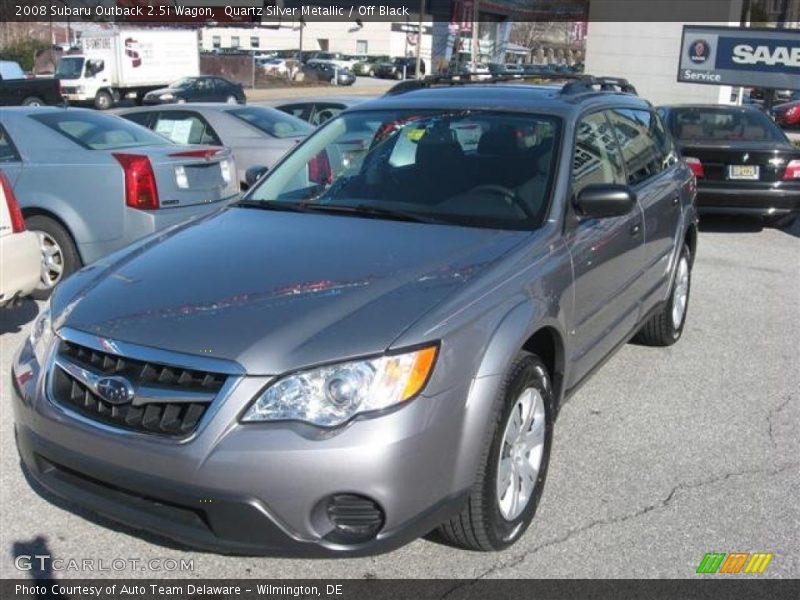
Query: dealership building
{"points": [[348, 37]]}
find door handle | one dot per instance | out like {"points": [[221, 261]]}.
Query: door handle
{"points": [[635, 229]]}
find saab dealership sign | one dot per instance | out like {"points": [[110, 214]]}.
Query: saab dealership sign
{"points": [[768, 58]]}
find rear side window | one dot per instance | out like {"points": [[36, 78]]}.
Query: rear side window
{"points": [[301, 111], [8, 153], [185, 127], [140, 118], [324, 112], [96, 131], [272, 122], [596, 158], [641, 141]]}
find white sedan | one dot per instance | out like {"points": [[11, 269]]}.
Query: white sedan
{"points": [[20, 255]]}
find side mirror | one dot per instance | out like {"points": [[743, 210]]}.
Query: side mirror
{"points": [[253, 174], [601, 200]]}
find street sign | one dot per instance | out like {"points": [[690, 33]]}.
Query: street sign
{"points": [[767, 58]]}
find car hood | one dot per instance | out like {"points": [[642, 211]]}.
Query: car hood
{"points": [[158, 92], [279, 291]]}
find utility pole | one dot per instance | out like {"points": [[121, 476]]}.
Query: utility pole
{"points": [[475, 19], [419, 39]]}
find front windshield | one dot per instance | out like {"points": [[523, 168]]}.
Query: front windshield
{"points": [[471, 168], [69, 67]]}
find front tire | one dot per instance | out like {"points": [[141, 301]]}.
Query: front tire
{"points": [[231, 100], [665, 327], [513, 467], [103, 100], [60, 257]]}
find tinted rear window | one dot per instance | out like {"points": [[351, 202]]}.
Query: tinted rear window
{"points": [[273, 122], [98, 132], [724, 125]]}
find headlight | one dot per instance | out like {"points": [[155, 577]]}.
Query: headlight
{"points": [[329, 396], [167, 96], [41, 335]]}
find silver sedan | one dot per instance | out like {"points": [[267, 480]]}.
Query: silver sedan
{"points": [[90, 183], [257, 135]]}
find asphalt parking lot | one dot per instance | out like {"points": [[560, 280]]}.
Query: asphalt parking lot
{"points": [[665, 455]]}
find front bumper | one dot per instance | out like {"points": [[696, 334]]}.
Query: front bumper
{"points": [[247, 489], [754, 200]]}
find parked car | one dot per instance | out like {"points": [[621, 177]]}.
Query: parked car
{"points": [[274, 66], [744, 163], [356, 353], [316, 111], [20, 256], [531, 70], [17, 89], [256, 135], [328, 72], [474, 72], [787, 115], [198, 89], [332, 58], [368, 66], [400, 68], [90, 183], [505, 70]]}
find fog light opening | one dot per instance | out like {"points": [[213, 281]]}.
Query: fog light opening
{"points": [[355, 519]]}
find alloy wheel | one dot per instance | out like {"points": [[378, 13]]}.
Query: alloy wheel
{"points": [[52, 266], [680, 295], [521, 454]]}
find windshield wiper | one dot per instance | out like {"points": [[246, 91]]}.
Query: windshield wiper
{"points": [[272, 205], [373, 211]]}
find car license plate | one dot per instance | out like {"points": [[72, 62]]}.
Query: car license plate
{"points": [[750, 172]]}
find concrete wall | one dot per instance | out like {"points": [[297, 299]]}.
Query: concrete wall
{"points": [[646, 54]]}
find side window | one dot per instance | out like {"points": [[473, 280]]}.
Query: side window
{"points": [[296, 110], [8, 153], [596, 158], [140, 118], [323, 112], [665, 142], [185, 127], [644, 155]]}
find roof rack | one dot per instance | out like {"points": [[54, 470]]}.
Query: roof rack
{"points": [[576, 83]]}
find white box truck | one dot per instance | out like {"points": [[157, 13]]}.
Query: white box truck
{"points": [[127, 62]]}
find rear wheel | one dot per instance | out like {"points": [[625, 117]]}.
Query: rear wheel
{"points": [[60, 257], [665, 327], [231, 100], [103, 100], [33, 101], [513, 467]]}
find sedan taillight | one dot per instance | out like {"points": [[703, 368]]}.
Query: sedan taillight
{"points": [[17, 222], [695, 165], [792, 171], [141, 190]]}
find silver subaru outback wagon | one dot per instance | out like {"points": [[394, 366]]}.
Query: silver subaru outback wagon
{"points": [[376, 340]]}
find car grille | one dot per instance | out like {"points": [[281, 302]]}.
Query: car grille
{"points": [[167, 400]]}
